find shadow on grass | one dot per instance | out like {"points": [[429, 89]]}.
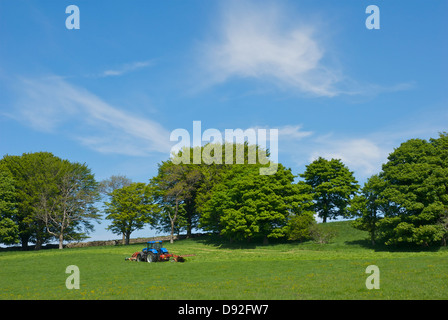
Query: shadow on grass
{"points": [[222, 243], [380, 247], [28, 248]]}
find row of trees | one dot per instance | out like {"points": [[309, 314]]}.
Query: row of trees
{"points": [[43, 198], [237, 202], [406, 203]]}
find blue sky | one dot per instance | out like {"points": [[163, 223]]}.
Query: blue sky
{"points": [[110, 93]]}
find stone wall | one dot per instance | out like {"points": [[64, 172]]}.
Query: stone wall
{"points": [[118, 242]]}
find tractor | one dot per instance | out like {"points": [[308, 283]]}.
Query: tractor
{"points": [[154, 252]]}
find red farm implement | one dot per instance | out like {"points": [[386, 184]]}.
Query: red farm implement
{"points": [[154, 252]]}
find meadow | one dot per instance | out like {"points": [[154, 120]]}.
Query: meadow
{"points": [[219, 270]]}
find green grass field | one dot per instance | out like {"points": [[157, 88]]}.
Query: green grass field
{"points": [[222, 271]]}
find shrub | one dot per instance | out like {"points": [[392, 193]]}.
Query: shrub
{"points": [[299, 227], [322, 234]]}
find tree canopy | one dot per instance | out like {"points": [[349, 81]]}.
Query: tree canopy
{"points": [[333, 185], [416, 190], [55, 198], [370, 206], [8, 209], [247, 205], [130, 208]]}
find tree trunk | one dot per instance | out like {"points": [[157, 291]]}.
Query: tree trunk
{"points": [[189, 229], [265, 240], [190, 209], [24, 241], [38, 245], [173, 220], [172, 232], [128, 236], [39, 235], [61, 240], [123, 239], [325, 211]]}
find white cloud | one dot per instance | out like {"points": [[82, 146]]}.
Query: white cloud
{"points": [[293, 132], [54, 105], [125, 68], [277, 44], [363, 155], [255, 42]]}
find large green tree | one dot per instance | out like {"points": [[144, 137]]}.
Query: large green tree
{"points": [[8, 209], [416, 177], [67, 204], [247, 205], [175, 189], [28, 172], [333, 186], [183, 184], [130, 208], [369, 206], [55, 198]]}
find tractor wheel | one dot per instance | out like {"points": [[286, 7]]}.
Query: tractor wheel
{"points": [[150, 257], [139, 258]]}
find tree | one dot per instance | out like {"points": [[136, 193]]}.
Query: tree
{"points": [[370, 206], [67, 202], [28, 173], [107, 186], [175, 189], [333, 185], [216, 161], [78, 192], [247, 205], [8, 209], [130, 208], [182, 187], [416, 177], [55, 198]]}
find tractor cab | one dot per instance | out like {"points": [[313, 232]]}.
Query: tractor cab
{"points": [[155, 247]]}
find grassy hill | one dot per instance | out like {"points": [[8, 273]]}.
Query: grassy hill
{"points": [[230, 271]]}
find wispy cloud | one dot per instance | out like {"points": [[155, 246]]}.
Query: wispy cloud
{"points": [[254, 41], [275, 44], [293, 132], [124, 69], [52, 104]]}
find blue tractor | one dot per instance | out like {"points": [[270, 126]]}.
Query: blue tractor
{"points": [[154, 252]]}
